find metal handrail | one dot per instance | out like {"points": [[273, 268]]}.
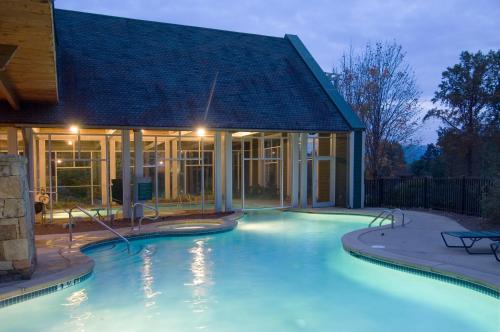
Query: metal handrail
{"points": [[389, 213], [152, 208], [402, 214], [96, 220], [379, 216]]}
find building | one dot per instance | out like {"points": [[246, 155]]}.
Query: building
{"points": [[222, 120]]}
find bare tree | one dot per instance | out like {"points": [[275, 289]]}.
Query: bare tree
{"points": [[381, 88]]}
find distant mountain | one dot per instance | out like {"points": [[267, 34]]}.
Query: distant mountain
{"points": [[413, 152]]}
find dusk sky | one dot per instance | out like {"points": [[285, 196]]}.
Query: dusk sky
{"points": [[433, 33]]}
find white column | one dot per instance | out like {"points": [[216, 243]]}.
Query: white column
{"points": [[126, 173], [260, 163], [175, 172], [228, 171], [303, 170], [138, 168], [104, 175], [168, 166], [12, 145], [350, 167], [42, 182], [112, 157], [288, 166], [29, 153], [294, 168], [218, 171]]}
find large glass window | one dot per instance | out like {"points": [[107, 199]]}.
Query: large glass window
{"points": [[258, 174]]}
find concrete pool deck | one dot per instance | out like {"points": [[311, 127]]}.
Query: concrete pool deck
{"points": [[419, 246], [60, 265]]}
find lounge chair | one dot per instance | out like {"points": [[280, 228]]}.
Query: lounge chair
{"points": [[494, 248], [473, 237]]}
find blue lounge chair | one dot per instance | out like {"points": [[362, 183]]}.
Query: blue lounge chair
{"points": [[494, 248], [472, 238]]}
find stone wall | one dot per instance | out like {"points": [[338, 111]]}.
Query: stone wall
{"points": [[17, 244]]}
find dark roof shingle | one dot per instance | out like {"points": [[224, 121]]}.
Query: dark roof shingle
{"points": [[118, 72]]}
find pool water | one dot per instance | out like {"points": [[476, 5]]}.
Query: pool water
{"points": [[275, 272]]}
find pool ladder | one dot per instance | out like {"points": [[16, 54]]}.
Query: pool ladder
{"points": [[152, 208], [86, 212], [386, 214]]}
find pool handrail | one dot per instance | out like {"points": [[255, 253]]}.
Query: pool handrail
{"points": [[388, 213], [86, 212], [152, 208]]}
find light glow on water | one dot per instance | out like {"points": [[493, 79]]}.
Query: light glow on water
{"points": [[275, 272]]}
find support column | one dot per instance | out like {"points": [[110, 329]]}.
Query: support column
{"points": [[29, 153], [363, 153], [138, 169], [112, 157], [175, 172], [228, 171], [260, 163], [126, 174], [104, 175], [168, 166], [218, 171], [303, 170], [294, 168], [12, 145], [42, 182], [356, 174]]}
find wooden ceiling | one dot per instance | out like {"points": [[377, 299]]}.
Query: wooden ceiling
{"points": [[30, 73]]}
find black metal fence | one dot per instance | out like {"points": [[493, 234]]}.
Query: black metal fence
{"points": [[460, 195]]}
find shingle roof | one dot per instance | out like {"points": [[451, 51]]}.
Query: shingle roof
{"points": [[118, 72]]}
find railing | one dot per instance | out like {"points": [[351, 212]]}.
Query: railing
{"points": [[383, 215], [132, 220], [460, 195], [70, 226]]}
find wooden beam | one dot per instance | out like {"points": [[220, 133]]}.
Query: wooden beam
{"points": [[6, 53], [7, 90]]}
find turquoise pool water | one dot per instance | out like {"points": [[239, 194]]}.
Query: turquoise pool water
{"points": [[275, 272]]}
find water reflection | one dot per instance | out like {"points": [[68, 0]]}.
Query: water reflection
{"points": [[147, 276], [201, 275], [77, 318]]}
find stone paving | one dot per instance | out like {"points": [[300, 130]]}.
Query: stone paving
{"points": [[419, 245]]}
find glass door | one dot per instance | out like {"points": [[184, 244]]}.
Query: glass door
{"points": [[323, 171]]}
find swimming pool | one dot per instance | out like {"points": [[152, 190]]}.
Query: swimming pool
{"points": [[275, 272]]}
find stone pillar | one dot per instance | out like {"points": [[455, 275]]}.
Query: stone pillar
{"points": [[228, 171], [12, 145], [17, 243], [218, 171]]}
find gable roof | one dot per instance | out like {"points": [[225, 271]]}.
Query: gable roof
{"points": [[119, 72]]}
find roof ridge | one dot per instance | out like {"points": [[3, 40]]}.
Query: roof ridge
{"points": [[166, 23]]}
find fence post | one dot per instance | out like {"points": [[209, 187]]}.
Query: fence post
{"points": [[380, 191], [463, 195], [426, 192]]}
